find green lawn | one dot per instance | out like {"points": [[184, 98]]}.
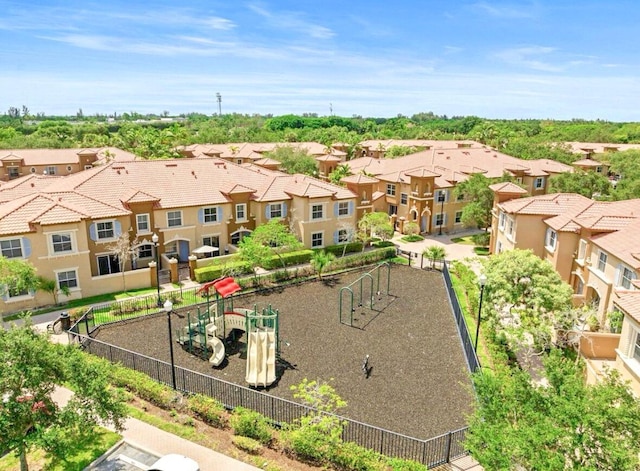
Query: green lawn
{"points": [[79, 457], [466, 240]]}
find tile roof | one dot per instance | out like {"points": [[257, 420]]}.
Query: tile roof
{"points": [[26, 185], [623, 243], [507, 188], [359, 178], [599, 147], [547, 205], [62, 156], [630, 303]]}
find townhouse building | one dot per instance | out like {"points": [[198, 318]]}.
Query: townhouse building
{"points": [[16, 163], [420, 187], [594, 247], [67, 226]]}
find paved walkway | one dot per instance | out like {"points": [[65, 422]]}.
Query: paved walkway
{"points": [[159, 442]]}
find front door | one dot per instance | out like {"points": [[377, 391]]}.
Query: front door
{"points": [[183, 250]]}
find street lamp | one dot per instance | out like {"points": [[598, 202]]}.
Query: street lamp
{"points": [[168, 307], [483, 281], [156, 247], [441, 196]]}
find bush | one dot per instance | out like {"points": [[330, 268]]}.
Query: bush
{"points": [[482, 239], [399, 464], [615, 321], [383, 243], [213, 272], [412, 238], [309, 445], [352, 457], [248, 423], [290, 258], [207, 409], [411, 228], [247, 444], [338, 250], [143, 386]]}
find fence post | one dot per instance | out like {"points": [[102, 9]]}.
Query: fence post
{"points": [[449, 435]]}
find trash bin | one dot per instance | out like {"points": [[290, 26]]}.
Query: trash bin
{"points": [[65, 320]]}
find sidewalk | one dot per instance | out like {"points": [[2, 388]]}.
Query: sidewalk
{"points": [[159, 442]]}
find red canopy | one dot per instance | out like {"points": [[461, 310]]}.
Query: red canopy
{"points": [[224, 286]]}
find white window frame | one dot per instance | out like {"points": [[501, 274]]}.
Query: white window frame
{"points": [[213, 217], [171, 218], [13, 172], [139, 248], [439, 220], [343, 208], [68, 270], [404, 199], [12, 248], [458, 217], [104, 229], [51, 170], [626, 281], [109, 255], [275, 210], [582, 249], [538, 183], [498, 246], [241, 212], [343, 236], [551, 239], [510, 226], [141, 220], [603, 258], [317, 211], [391, 189], [441, 196], [502, 220], [70, 241], [313, 242]]}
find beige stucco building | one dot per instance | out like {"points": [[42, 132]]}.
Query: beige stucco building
{"points": [[594, 247], [67, 227]]}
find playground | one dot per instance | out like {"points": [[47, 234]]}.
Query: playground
{"points": [[398, 364]]}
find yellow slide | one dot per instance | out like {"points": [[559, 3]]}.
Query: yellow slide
{"points": [[261, 358]]}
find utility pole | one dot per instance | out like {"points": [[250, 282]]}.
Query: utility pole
{"points": [[219, 99]]}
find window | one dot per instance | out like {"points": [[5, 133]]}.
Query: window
{"points": [[460, 197], [636, 348], [275, 210], [67, 279], [343, 208], [14, 293], [317, 240], [88, 167], [210, 215], [108, 264], [551, 239], [212, 241], [403, 198], [143, 223], [582, 249], [441, 196], [599, 169], [11, 248], [393, 209], [61, 243], [241, 212], [391, 189], [105, 230], [502, 220], [498, 247], [239, 161], [539, 183], [68, 168], [236, 237], [510, 226], [145, 251], [602, 261], [14, 172], [458, 219], [439, 220], [51, 170], [174, 218], [32, 170], [343, 236], [317, 211], [626, 276]]}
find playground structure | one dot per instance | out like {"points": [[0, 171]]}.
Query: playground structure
{"points": [[210, 330], [364, 293]]}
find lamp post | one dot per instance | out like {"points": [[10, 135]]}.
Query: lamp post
{"points": [[483, 281], [156, 247], [168, 307], [441, 196]]}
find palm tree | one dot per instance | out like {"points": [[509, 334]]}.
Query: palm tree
{"points": [[320, 260], [341, 171], [433, 253]]}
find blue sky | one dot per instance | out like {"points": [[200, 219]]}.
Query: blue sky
{"points": [[540, 59]]}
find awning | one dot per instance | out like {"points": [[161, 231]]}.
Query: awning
{"points": [[205, 249]]}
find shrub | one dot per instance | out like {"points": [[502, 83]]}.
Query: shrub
{"points": [[290, 258], [308, 444], [411, 228], [338, 250], [615, 321], [399, 464], [248, 423], [352, 457], [412, 238], [207, 409], [482, 239], [213, 272], [247, 444], [143, 386]]}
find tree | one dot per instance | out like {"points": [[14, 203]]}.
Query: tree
{"points": [[32, 368], [275, 237], [341, 171], [560, 425], [433, 253], [477, 212], [123, 250], [294, 160], [17, 276], [525, 295], [627, 166], [376, 224], [589, 184], [320, 260], [51, 286], [411, 228]]}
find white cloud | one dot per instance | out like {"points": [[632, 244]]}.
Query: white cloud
{"points": [[292, 21], [529, 57], [508, 11]]}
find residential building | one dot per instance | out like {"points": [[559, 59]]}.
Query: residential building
{"points": [[593, 246], [420, 187], [15, 163], [67, 226]]}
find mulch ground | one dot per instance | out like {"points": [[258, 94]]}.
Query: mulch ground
{"points": [[418, 382]]}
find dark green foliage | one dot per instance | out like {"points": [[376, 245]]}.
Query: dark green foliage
{"points": [[338, 250], [482, 239], [213, 272], [291, 258], [207, 409], [248, 423]]}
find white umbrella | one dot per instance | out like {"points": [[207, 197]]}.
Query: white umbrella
{"points": [[205, 249]]}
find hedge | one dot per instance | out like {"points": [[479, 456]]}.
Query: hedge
{"points": [[338, 250], [290, 258], [214, 272]]}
